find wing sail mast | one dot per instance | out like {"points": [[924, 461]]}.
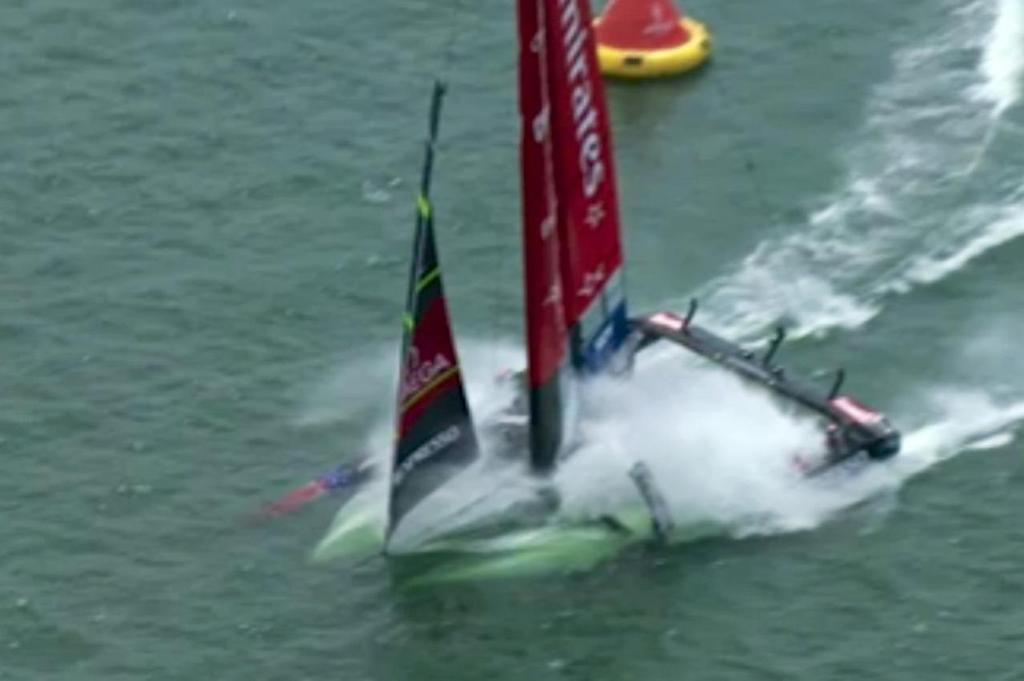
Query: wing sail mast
{"points": [[546, 334]]}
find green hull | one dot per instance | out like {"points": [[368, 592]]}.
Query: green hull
{"points": [[563, 547], [357, 533]]}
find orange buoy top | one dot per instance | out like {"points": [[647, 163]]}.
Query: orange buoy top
{"points": [[641, 25]]}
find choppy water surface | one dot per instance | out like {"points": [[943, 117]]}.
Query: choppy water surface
{"points": [[205, 225]]}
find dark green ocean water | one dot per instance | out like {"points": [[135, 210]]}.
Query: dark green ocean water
{"points": [[205, 214]]}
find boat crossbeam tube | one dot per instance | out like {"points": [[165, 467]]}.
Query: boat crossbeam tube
{"points": [[853, 427]]}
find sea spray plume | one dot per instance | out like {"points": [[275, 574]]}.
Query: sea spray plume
{"points": [[722, 454], [684, 429], [365, 382], [342, 393]]}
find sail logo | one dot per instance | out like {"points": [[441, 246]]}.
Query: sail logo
{"points": [[420, 373], [438, 442], [591, 281], [584, 112]]}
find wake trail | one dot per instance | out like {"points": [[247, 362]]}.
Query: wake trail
{"points": [[909, 212]]}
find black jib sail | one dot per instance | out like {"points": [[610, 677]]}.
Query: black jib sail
{"points": [[435, 438]]}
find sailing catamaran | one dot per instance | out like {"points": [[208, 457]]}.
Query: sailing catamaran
{"points": [[577, 324]]}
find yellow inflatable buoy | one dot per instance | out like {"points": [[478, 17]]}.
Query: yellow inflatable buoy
{"points": [[654, 63]]}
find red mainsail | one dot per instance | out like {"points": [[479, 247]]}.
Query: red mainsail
{"points": [[588, 207], [572, 247]]}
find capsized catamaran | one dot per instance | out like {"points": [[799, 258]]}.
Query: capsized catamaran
{"points": [[575, 308]]}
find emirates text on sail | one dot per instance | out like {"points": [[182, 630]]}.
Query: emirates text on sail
{"points": [[583, 111]]}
